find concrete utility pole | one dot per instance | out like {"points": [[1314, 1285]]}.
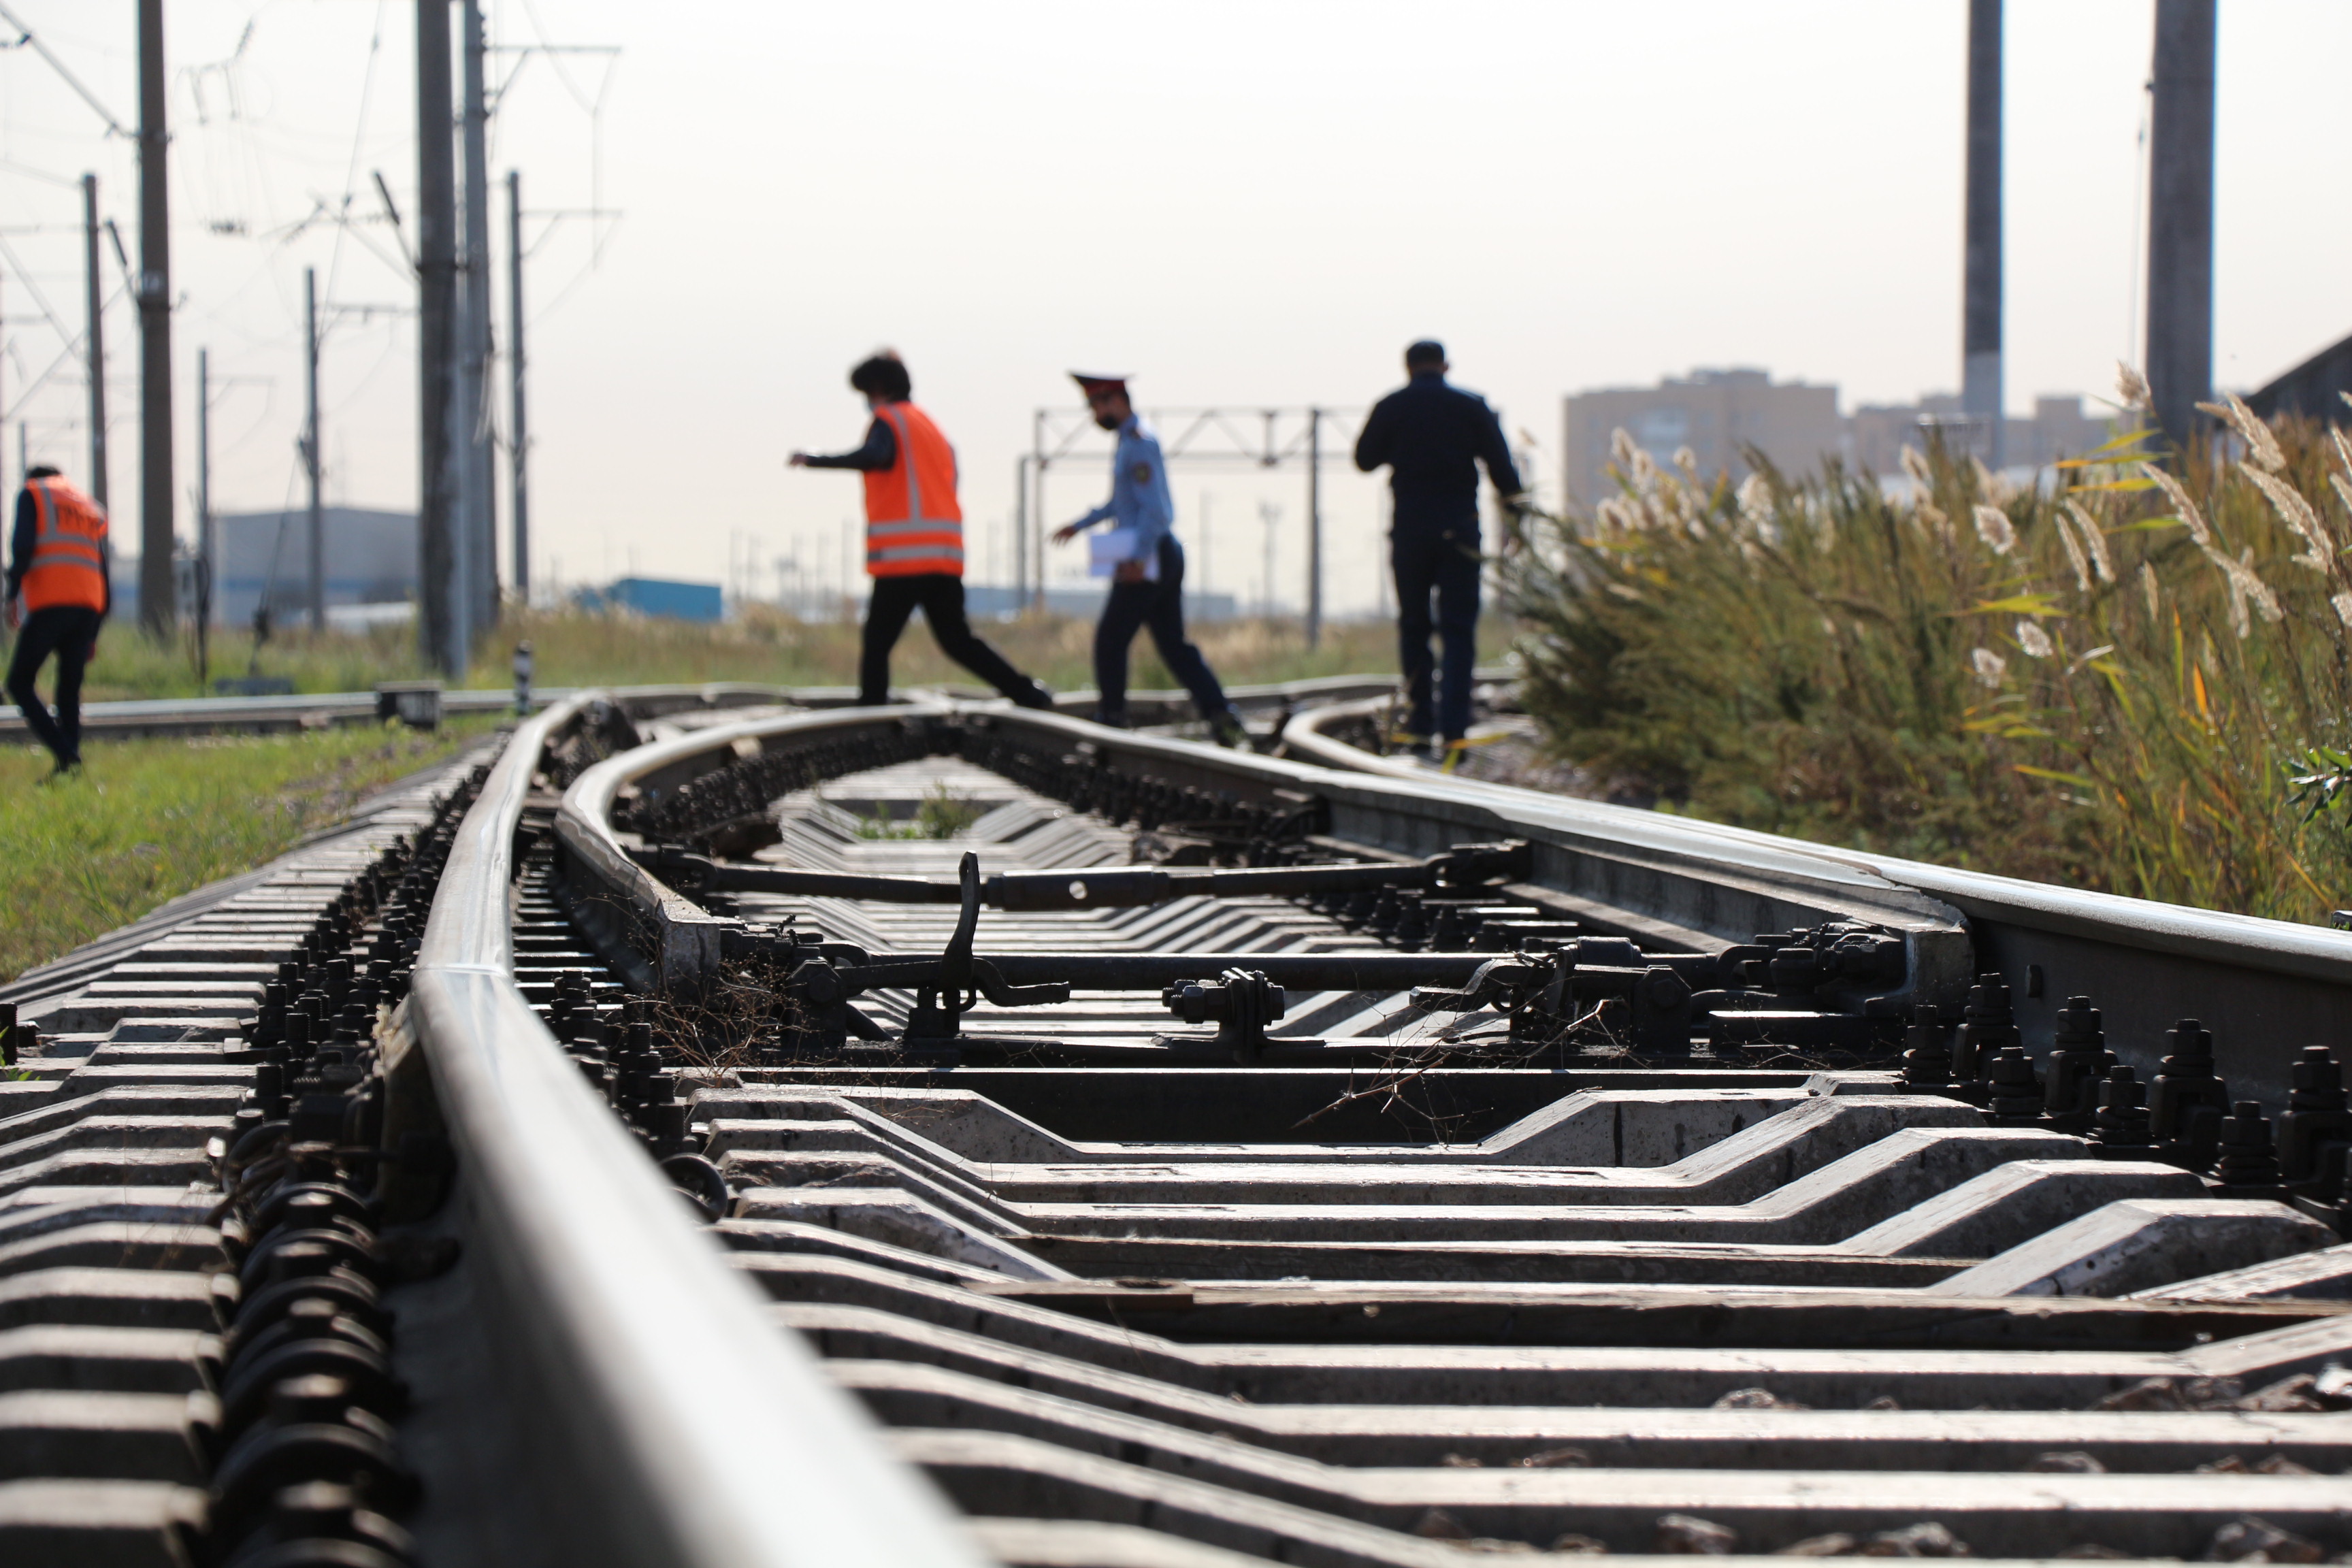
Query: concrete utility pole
{"points": [[444, 629], [156, 605], [316, 532], [95, 357], [2180, 215], [1037, 511], [1020, 528], [1314, 527], [477, 480], [206, 556], [1980, 347], [519, 433]]}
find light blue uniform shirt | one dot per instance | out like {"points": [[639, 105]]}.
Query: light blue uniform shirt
{"points": [[1140, 499]]}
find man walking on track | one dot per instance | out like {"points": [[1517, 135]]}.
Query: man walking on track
{"points": [[58, 585], [1148, 584], [914, 538], [1433, 437]]}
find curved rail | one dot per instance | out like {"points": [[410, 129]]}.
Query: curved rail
{"points": [[681, 1427], [1673, 881], [2146, 962]]}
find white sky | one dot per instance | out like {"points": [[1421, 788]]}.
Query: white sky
{"points": [[1245, 203]]}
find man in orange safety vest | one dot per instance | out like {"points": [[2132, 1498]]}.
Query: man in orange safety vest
{"points": [[914, 538], [58, 591]]}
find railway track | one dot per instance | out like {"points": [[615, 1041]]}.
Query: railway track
{"points": [[947, 1134]]}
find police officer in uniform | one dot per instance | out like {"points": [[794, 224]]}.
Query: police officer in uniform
{"points": [[1433, 437], [1147, 587], [57, 597], [914, 538]]}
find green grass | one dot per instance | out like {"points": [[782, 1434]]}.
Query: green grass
{"points": [[2119, 686], [574, 649], [150, 820]]}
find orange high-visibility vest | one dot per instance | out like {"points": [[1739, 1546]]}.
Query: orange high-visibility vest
{"points": [[912, 521], [68, 565]]}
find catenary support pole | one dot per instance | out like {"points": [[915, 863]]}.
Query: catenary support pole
{"points": [[476, 452], [314, 533], [1037, 508], [94, 355], [207, 557], [1314, 527], [156, 604], [1980, 348], [2180, 215], [1020, 528], [442, 623], [519, 431]]}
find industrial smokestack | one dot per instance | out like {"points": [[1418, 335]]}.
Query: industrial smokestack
{"points": [[2180, 215], [1980, 367]]}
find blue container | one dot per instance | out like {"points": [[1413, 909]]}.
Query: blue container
{"points": [[654, 596]]}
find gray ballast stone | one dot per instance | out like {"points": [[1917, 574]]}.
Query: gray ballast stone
{"points": [[2142, 1244], [99, 1524], [2322, 1275]]}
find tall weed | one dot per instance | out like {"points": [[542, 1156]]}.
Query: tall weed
{"points": [[2135, 680]]}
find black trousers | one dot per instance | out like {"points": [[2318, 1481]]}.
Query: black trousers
{"points": [[1161, 606], [70, 632], [1442, 564], [939, 596]]}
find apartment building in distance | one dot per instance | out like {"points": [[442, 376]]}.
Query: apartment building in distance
{"points": [[1715, 413], [1718, 414], [1876, 433]]}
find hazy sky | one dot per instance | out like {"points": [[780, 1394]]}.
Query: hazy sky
{"points": [[1252, 204]]}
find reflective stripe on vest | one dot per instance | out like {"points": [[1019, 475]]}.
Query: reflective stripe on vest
{"points": [[68, 564], [912, 521]]}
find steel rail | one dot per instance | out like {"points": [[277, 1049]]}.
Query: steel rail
{"points": [[1649, 874], [2281, 985], [199, 715], [293, 711], [681, 1426]]}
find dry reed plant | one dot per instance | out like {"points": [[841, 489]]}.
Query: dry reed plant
{"points": [[2137, 679]]}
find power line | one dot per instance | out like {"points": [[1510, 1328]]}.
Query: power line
{"points": [[114, 126]]}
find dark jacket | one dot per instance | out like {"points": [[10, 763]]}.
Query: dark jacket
{"points": [[1433, 437], [881, 450]]}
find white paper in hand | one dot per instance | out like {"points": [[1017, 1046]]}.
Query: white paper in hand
{"points": [[1108, 550]]}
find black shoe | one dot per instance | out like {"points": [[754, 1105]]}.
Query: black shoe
{"points": [[68, 769], [1228, 729], [1036, 698]]}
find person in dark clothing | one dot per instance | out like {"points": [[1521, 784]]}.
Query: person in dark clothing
{"points": [[914, 539], [59, 591], [1432, 437]]}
